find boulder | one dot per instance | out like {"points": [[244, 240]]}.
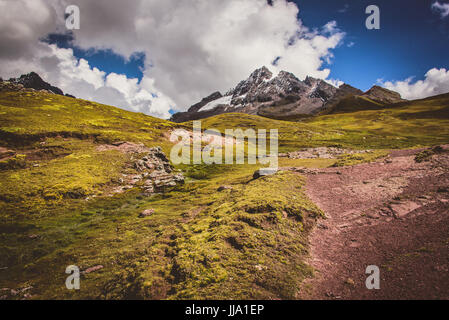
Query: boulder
{"points": [[264, 172], [222, 188], [146, 213]]}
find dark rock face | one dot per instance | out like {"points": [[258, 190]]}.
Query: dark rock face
{"points": [[199, 105], [383, 95], [34, 81], [282, 97], [31, 81], [186, 116]]}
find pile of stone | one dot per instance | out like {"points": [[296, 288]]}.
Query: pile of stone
{"points": [[156, 172]]}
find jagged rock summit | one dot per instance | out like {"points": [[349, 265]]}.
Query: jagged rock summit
{"points": [[31, 81], [281, 97], [383, 95]]}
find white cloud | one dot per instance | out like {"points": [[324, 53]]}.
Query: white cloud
{"points": [[61, 68], [192, 47], [335, 82], [442, 8], [21, 24], [436, 82]]}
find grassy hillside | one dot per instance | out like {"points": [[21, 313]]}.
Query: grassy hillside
{"points": [[246, 241], [27, 116], [353, 104], [409, 124]]}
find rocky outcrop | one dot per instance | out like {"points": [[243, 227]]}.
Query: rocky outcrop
{"points": [[34, 81], [30, 81], [383, 95], [283, 97], [156, 174]]}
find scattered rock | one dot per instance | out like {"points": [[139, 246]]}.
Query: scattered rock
{"points": [[222, 188], [25, 289], [92, 269], [372, 215], [322, 226], [443, 189], [260, 267], [350, 282], [403, 208], [264, 172], [146, 213]]}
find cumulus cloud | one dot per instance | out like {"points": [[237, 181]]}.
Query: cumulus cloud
{"points": [[192, 47], [436, 82], [75, 76], [335, 82], [21, 24], [442, 8]]}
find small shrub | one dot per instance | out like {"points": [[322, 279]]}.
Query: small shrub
{"points": [[425, 155]]}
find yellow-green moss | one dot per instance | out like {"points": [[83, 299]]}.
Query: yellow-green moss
{"points": [[245, 242]]}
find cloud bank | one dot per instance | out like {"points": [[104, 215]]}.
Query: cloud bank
{"points": [[442, 8], [436, 82], [192, 47]]}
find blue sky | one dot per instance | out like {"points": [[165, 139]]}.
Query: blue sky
{"points": [[105, 60], [164, 56], [413, 39]]}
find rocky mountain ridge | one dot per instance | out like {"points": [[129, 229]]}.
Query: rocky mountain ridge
{"points": [[31, 81], [281, 97]]}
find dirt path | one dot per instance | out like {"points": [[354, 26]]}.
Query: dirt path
{"points": [[393, 213]]}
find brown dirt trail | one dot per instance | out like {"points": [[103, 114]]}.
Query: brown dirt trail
{"points": [[392, 213]]}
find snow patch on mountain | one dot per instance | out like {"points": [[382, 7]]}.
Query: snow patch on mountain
{"points": [[226, 100]]}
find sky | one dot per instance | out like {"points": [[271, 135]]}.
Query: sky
{"points": [[160, 57]]}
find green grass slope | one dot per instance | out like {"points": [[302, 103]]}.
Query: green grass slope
{"points": [[248, 241], [405, 125], [354, 103], [27, 116]]}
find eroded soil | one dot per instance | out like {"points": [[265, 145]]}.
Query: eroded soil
{"points": [[392, 213]]}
